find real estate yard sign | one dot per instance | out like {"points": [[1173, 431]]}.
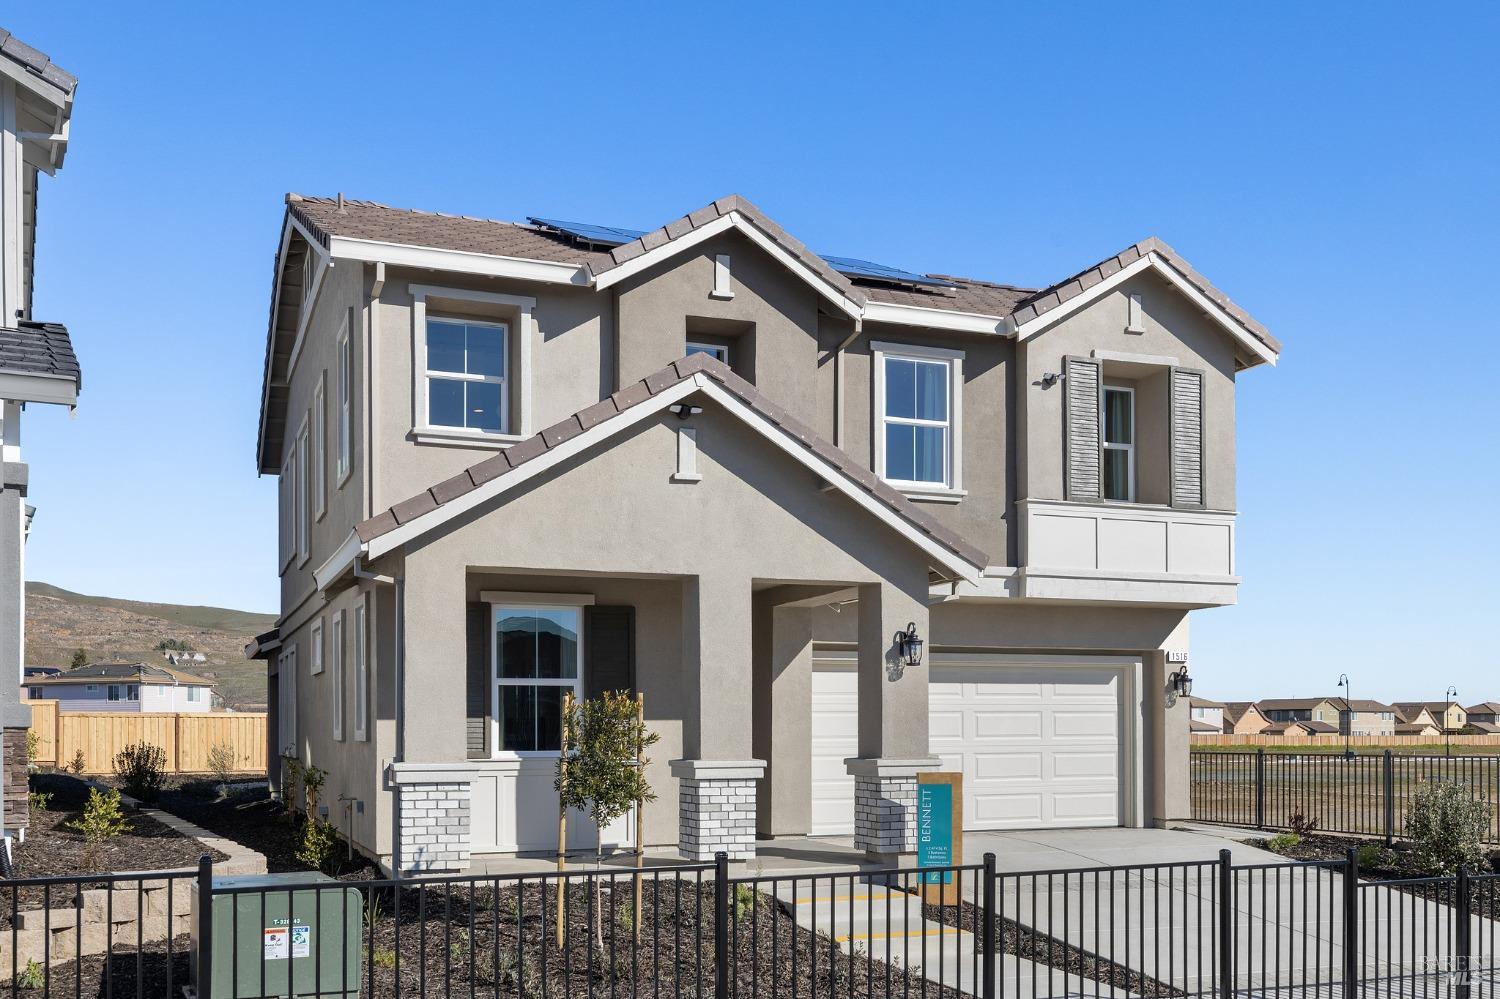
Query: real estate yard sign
{"points": [[940, 825]]}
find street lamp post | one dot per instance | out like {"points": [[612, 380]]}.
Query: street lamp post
{"points": [[1349, 714], [1447, 732]]}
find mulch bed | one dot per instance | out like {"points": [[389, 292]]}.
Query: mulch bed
{"points": [[52, 849], [148, 972]]}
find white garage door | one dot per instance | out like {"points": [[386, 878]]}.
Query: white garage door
{"points": [[1039, 746]]}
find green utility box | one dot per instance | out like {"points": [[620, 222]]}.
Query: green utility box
{"points": [[280, 935]]}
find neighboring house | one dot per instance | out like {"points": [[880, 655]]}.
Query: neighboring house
{"points": [[1482, 718], [1364, 717], [1301, 727], [37, 365], [703, 463], [1454, 713], [1244, 718], [1205, 716], [124, 687], [1287, 709]]}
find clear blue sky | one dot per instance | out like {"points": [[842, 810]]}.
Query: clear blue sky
{"points": [[1332, 166]]}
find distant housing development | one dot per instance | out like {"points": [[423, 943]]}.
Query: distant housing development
{"points": [[1341, 716], [123, 687]]}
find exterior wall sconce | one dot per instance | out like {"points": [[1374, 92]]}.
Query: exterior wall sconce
{"points": [[909, 645], [1181, 683]]}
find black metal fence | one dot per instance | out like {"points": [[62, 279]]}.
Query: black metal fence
{"points": [[1361, 794], [1197, 928]]}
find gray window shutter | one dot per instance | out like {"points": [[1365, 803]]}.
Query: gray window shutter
{"points": [[1082, 455], [477, 679], [609, 649], [1187, 437]]}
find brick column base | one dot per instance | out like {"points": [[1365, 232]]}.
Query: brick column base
{"points": [[432, 811], [885, 804], [716, 807], [17, 803]]}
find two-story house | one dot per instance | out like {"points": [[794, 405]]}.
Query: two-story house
{"points": [[1365, 717], [1428, 717], [1205, 716], [130, 687], [1483, 718], [1244, 718], [838, 523], [37, 366], [1290, 709]]}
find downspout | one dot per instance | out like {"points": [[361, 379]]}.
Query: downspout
{"points": [[372, 379]]}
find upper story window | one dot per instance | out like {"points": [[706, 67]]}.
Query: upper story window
{"points": [[917, 409], [342, 375], [1118, 421], [195, 693], [718, 351], [466, 375]]}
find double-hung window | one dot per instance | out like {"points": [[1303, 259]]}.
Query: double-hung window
{"points": [[336, 653], [302, 460], [133, 692], [361, 669], [917, 392], [342, 375], [114, 692], [194, 694], [537, 655], [1118, 422], [320, 450], [466, 375]]}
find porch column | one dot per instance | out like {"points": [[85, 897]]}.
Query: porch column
{"points": [[892, 720], [716, 779], [783, 714]]}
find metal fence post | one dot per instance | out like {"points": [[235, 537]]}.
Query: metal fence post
{"points": [[990, 944], [1388, 791], [204, 970], [721, 925], [1351, 924], [1463, 941], [1260, 787], [1226, 926]]}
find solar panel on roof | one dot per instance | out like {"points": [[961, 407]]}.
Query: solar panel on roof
{"points": [[602, 235], [854, 267]]}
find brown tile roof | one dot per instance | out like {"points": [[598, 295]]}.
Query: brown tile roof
{"points": [[1203, 702], [1488, 707], [37, 62], [634, 394], [1051, 297], [1198, 725], [382, 223], [1312, 727], [1235, 710], [1416, 728], [1407, 711], [1295, 703], [138, 671]]}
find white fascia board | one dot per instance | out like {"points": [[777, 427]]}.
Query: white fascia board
{"points": [[309, 295], [1150, 261], [47, 91], [457, 261], [265, 389], [536, 466], [842, 483], [734, 220], [340, 562], [39, 387], [938, 319]]}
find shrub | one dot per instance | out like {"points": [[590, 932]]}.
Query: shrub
{"points": [[142, 769], [40, 800], [313, 779], [1282, 842], [33, 748], [32, 976], [1446, 825], [102, 820], [1371, 855], [383, 957], [1300, 824], [291, 781], [319, 841], [79, 761], [221, 763]]}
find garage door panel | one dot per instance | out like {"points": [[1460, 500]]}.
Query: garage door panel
{"points": [[1075, 766], [1080, 808], [945, 725], [1089, 725], [1001, 724], [988, 767], [1006, 811]]}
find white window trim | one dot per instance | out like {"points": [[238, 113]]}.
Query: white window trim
{"points": [[534, 601], [337, 655], [719, 351], [302, 511], [320, 448], [952, 491], [457, 376], [288, 480], [362, 669], [315, 639], [194, 694], [286, 702], [516, 395], [344, 375], [1129, 449]]}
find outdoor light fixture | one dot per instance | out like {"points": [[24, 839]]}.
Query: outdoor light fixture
{"points": [[909, 645], [1182, 684], [682, 410]]}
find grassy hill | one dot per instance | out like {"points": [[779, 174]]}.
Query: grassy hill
{"points": [[59, 621]]}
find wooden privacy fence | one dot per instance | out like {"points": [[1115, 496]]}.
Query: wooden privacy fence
{"points": [[1207, 740], [186, 738]]}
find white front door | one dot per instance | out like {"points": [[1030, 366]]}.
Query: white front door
{"points": [[1039, 746]]}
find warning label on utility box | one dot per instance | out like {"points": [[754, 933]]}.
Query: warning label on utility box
{"points": [[276, 948], [301, 940]]}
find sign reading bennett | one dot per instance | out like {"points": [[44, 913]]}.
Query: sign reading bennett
{"points": [[939, 833]]}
